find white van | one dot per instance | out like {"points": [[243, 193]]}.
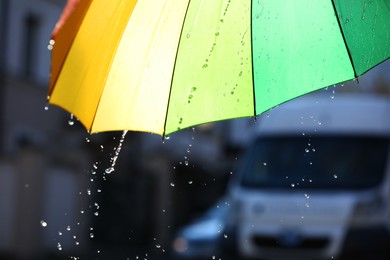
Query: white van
{"points": [[316, 181]]}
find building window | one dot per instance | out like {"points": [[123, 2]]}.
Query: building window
{"points": [[30, 45]]}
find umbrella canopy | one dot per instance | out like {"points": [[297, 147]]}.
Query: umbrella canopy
{"points": [[163, 65]]}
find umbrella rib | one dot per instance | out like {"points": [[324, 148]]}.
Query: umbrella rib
{"points": [[344, 39], [173, 72], [253, 69]]}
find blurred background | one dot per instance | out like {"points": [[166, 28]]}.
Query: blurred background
{"points": [[57, 201]]}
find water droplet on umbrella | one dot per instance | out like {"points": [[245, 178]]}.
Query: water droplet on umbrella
{"points": [[51, 45]]}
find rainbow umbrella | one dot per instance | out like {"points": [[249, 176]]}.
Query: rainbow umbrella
{"points": [[163, 65]]}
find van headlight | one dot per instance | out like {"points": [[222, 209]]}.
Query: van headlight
{"points": [[369, 209]]}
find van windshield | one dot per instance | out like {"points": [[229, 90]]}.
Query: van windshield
{"points": [[317, 162]]}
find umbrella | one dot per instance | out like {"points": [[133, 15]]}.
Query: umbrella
{"points": [[163, 65]]}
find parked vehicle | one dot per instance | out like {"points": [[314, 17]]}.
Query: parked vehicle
{"points": [[202, 238], [315, 182]]}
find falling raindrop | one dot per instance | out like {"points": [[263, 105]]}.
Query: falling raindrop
{"points": [[109, 170], [46, 108], [59, 247], [43, 223], [335, 176], [68, 228], [172, 184], [117, 151], [71, 120]]}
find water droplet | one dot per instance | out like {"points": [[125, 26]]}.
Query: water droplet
{"points": [[225, 236], [59, 247], [91, 235], [46, 108], [172, 184], [71, 120], [109, 170], [158, 246], [335, 176], [292, 185], [217, 34], [96, 213], [264, 163], [189, 35], [190, 182], [68, 228], [51, 45], [43, 223], [59, 233]]}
